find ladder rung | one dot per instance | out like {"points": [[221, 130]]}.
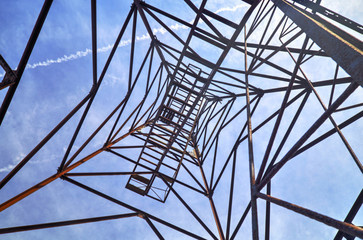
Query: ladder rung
{"points": [[135, 189], [165, 129], [176, 111], [155, 143], [151, 155], [179, 100], [148, 161], [168, 155], [170, 122], [141, 178], [161, 137], [153, 149], [169, 179]]}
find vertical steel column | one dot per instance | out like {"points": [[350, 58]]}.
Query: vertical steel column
{"points": [[250, 152], [343, 48]]}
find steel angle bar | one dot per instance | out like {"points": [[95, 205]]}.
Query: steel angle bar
{"points": [[349, 107], [134, 209], [347, 145], [5, 66], [329, 133], [231, 190], [235, 146], [140, 10], [86, 174], [288, 131], [24, 59], [281, 112], [214, 162], [351, 88], [342, 226], [105, 68], [352, 213], [240, 222], [205, 144], [94, 133], [260, 45], [259, 17], [113, 135], [186, 205], [94, 40], [273, 115], [152, 226], [64, 223], [343, 48], [167, 28], [268, 213], [11, 174], [224, 108], [67, 169], [95, 85], [315, 7], [213, 207], [315, 84], [133, 38], [291, 49], [220, 18], [250, 153], [276, 51], [10, 75], [204, 18]]}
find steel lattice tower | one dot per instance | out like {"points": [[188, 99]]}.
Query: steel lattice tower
{"points": [[215, 114]]}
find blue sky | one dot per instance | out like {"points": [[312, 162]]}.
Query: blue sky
{"points": [[324, 179]]}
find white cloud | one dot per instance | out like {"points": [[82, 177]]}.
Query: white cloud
{"points": [[10, 166], [230, 9], [86, 52]]}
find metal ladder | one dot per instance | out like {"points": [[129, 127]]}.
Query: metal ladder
{"points": [[169, 137]]}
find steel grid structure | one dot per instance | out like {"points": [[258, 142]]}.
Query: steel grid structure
{"points": [[256, 83]]}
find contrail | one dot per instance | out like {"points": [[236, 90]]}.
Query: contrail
{"points": [[86, 52], [80, 54]]}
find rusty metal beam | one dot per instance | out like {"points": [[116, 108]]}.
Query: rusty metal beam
{"points": [[60, 174], [21, 164], [342, 226], [352, 213], [64, 223], [10, 75], [250, 153], [138, 211], [351, 88], [24, 59], [316, 7], [343, 48]]}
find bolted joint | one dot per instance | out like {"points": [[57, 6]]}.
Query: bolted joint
{"points": [[254, 190], [210, 193], [9, 79], [260, 92], [141, 215], [93, 89], [136, 2], [154, 41]]}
